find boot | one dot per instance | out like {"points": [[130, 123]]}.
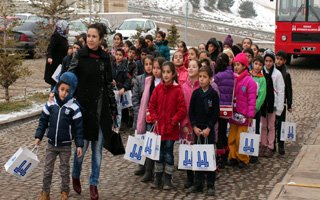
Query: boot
{"points": [[189, 181], [167, 185], [44, 196], [157, 182], [76, 185], [211, 191], [158, 171], [64, 195], [281, 148], [148, 171], [94, 195], [140, 170], [195, 189]]}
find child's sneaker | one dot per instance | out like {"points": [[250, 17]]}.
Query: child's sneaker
{"points": [[43, 196], [64, 195], [211, 191]]}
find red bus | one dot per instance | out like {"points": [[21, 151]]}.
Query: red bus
{"points": [[298, 27]]}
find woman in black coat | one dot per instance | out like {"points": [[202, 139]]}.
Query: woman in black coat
{"points": [[57, 50], [95, 95]]}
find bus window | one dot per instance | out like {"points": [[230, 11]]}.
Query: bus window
{"points": [[314, 11], [291, 10]]}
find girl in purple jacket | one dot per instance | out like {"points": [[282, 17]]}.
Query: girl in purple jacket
{"points": [[244, 107], [224, 78]]}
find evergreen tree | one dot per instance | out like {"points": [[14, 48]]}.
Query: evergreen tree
{"points": [[225, 5], [246, 9], [173, 36], [211, 3], [10, 58], [195, 3]]}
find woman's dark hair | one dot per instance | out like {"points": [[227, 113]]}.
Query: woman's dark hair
{"points": [[100, 27], [183, 45], [119, 35], [222, 62], [160, 60], [207, 69], [249, 50], [142, 42], [195, 50]]}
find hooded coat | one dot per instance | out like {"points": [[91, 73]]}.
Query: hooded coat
{"points": [[63, 119], [163, 49], [95, 92], [214, 42]]}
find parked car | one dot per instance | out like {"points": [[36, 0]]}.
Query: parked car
{"points": [[26, 35], [29, 17], [129, 27], [76, 27]]}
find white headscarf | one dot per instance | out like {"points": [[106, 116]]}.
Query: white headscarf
{"points": [[61, 27]]}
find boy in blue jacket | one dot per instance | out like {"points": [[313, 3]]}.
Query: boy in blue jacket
{"points": [[63, 119]]}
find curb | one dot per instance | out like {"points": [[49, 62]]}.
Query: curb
{"points": [[279, 187], [20, 119]]}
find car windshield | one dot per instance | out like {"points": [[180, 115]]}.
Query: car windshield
{"points": [[131, 25], [77, 26]]}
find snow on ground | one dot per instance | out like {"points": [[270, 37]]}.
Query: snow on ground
{"points": [[35, 107], [264, 9]]}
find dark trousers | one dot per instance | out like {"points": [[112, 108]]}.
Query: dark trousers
{"points": [[222, 142], [280, 119], [200, 175], [257, 118]]}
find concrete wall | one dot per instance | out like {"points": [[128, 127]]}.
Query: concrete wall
{"points": [[115, 5]]}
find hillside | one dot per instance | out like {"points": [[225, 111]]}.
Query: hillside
{"points": [[263, 21]]}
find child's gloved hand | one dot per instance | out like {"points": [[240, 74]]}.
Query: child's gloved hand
{"points": [[79, 152], [37, 141]]}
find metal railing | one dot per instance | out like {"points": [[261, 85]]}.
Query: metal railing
{"points": [[199, 23]]}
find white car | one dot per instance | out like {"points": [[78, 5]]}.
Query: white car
{"points": [[129, 27]]}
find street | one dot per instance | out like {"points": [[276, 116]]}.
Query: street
{"points": [[117, 180]]}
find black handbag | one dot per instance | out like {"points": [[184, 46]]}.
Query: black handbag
{"points": [[114, 144]]}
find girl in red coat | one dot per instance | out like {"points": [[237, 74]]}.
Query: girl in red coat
{"points": [[167, 109]]}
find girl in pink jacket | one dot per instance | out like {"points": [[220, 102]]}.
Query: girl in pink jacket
{"points": [[244, 106]]}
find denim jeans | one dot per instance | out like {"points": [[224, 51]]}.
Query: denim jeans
{"points": [[96, 149], [166, 152]]}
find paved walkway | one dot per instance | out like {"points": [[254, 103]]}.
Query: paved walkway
{"points": [[302, 181]]}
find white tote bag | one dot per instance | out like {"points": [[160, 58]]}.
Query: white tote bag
{"points": [[134, 150], [151, 146], [249, 144], [203, 157], [125, 101], [22, 163], [185, 157], [288, 131]]}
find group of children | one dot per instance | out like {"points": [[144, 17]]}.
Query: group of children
{"points": [[181, 100]]}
